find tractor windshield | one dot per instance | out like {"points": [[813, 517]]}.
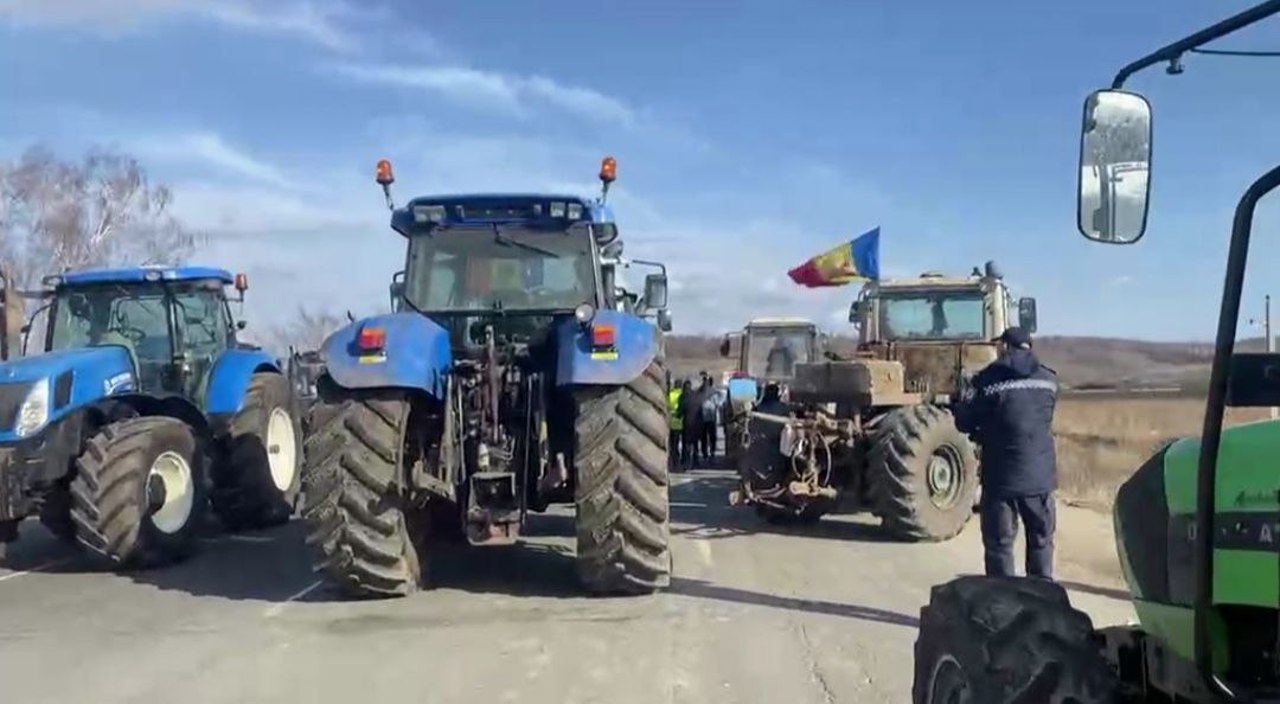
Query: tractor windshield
{"points": [[773, 352], [502, 268], [936, 315], [137, 317]]}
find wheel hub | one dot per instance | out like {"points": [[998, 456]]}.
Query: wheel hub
{"points": [[171, 492], [282, 449], [944, 477]]}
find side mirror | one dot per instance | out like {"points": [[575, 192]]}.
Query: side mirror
{"points": [[855, 311], [1254, 380], [724, 347], [1027, 314], [655, 291], [664, 320], [396, 290], [1115, 162]]}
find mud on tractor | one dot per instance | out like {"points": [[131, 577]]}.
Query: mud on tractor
{"points": [[142, 410], [507, 380], [1196, 524], [874, 433]]}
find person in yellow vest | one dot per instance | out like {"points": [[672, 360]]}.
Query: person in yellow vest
{"points": [[675, 421]]}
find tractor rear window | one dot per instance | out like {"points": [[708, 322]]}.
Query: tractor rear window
{"points": [[482, 269], [950, 315]]}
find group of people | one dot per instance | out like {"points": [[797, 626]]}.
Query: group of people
{"points": [[695, 421]]}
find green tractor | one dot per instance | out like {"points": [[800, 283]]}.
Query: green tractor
{"points": [[1209, 609]]}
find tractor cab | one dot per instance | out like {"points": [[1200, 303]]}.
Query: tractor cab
{"points": [[174, 322], [514, 263], [769, 348], [930, 321]]}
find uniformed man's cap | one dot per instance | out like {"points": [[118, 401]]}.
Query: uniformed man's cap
{"points": [[1015, 337]]}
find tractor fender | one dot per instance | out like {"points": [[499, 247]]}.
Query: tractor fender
{"points": [[77, 378], [229, 379], [415, 355], [635, 340]]}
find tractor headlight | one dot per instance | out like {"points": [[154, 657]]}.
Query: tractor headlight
{"points": [[34, 411]]}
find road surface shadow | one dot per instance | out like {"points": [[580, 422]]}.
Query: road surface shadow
{"points": [[523, 570], [706, 590], [275, 566], [701, 504], [269, 565]]}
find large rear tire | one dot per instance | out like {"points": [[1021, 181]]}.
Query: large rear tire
{"points": [[138, 497], [923, 474], [258, 481], [994, 640], [621, 485], [354, 500]]}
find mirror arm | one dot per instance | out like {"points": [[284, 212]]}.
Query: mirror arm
{"points": [[661, 267], [1174, 51]]}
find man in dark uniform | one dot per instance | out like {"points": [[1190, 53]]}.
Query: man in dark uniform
{"points": [[1008, 410]]}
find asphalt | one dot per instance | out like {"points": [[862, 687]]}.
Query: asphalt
{"points": [[755, 613]]}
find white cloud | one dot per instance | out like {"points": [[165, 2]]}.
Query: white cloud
{"points": [[478, 88], [325, 23], [209, 149]]}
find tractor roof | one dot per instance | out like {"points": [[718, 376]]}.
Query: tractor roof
{"points": [[780, 322], [487, 208], [139, 274], [930, 280]]}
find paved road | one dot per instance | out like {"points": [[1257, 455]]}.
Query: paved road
{"points": [[752, 616]]}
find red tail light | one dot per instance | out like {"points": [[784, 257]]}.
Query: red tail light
{"points": [[371, 339], [602, 336]]}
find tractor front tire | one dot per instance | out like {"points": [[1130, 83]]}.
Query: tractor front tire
{"points": [[1007, 640], [354, 507], [258, 481], [138, 496], [923, 474], [621, 488]]}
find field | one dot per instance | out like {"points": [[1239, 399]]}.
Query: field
{"points": [[1101, 441]]}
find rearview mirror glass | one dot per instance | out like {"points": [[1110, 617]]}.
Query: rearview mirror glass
{"points": [[724, 347], [1027, 314], [655, 291], [664, 320], [1254, 380], [1115, 161], [855, 310]]}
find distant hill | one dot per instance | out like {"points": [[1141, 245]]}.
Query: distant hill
{"points": [[1079, 361]]}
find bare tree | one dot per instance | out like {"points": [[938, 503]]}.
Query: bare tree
{"points": [[57, 215], [307, 331]]}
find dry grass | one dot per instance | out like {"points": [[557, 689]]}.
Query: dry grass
{"points": [[1101, 442]]}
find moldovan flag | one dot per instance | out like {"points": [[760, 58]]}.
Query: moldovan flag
{"points": [[855, 260]]}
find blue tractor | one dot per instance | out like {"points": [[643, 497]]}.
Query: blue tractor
{"points": [[143, 411], [509, 377]]}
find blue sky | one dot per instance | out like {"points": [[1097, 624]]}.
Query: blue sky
{"points": [[749, 135]]}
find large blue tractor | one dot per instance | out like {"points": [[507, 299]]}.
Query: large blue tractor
{"points": [[142, 410], [510, 377]]}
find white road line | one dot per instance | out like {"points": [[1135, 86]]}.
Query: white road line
{"points": [[37, 568], [277, 609]]}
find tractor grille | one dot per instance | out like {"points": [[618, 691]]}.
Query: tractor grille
{"points": [[11, 397]]}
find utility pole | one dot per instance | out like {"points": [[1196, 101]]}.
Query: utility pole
{"points": [[1271, 341]]}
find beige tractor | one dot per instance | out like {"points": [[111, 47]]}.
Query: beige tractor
{"points": [[873, 432]]}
